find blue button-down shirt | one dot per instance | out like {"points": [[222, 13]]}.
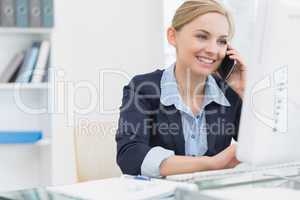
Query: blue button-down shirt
{"points": [[194, 131]]}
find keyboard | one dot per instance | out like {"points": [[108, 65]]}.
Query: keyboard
{"points": [[244, 173]]}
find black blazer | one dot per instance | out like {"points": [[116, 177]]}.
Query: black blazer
{"points": [[145, 123]]}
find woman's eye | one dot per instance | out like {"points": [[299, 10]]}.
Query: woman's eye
{"points": [[222, 42], [203, 37]]}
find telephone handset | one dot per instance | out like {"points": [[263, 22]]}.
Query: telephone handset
{"points": [[227, 67]]}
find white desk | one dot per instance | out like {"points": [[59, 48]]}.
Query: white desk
{"points": [[125, 188]]}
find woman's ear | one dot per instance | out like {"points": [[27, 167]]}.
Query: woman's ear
{"points": [[171, 36]]}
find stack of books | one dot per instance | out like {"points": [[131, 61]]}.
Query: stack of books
{"points": [[26, 13], [29, 66]]}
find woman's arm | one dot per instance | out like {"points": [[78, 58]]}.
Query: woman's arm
{"points": [[186, 164]]}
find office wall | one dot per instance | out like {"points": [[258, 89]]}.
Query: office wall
{"points": [[118, 36]]}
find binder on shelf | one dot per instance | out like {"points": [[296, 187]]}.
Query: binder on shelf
{"points": [[35, 14], [12, 67], [46, 77], [22, 13], [47, 13], [25, 72], [7, 13], [20, 137], [41, 64]]}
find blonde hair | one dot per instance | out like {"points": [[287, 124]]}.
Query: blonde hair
{"points": [[191, 9]]}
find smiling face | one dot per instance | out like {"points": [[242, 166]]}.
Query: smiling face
{"points": [[201, 44]]}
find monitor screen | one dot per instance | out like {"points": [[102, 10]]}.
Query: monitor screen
{"points": [[270, 126]]}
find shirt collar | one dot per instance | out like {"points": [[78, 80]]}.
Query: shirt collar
{"points": [[171, 96]]}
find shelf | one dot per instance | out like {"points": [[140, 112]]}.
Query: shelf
{"points": [[14, 30], [41, 143], [23, 86]]}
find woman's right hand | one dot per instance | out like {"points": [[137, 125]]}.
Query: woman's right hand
{"points": [[225, 159], [187, 164]]}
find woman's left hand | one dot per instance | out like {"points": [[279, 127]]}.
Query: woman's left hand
{"points": [[237, 80]]}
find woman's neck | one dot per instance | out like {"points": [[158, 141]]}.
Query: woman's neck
{"points": [[189, 85]]}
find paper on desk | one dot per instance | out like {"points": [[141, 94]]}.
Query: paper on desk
{"points": [[121, 188], [254, 193]]}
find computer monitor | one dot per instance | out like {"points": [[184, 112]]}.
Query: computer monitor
{"points": [[270, 122]]}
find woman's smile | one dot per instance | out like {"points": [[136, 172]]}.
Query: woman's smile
{"points": [[205, 61]]}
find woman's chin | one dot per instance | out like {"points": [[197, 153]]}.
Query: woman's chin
{"points": [[203, 71]]}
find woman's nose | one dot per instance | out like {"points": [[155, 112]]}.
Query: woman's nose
{"points": [[212, 47]]}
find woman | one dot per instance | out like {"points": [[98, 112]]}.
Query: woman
{"points": [[182, 119]]}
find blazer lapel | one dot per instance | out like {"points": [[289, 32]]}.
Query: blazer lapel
{"points": [[211, 113], [174, 117]]}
